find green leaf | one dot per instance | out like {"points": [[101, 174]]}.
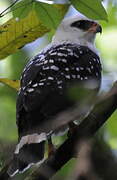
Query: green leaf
{"points": [[22, 8], [91, 8], [15, 34], [50, 14]]}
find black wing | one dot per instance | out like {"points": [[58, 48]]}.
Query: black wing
{"points": [[47, 77]]}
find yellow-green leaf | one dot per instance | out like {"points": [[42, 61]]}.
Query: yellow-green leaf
{"points": [[16, 33], [15, 84]]}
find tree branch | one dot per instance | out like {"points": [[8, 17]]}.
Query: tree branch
{"points": [[100, 113]]}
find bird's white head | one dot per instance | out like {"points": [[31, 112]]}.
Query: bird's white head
{"points": [[77, 29]]}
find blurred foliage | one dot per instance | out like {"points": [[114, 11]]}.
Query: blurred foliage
{"points": [[91, 8], [8, 128], [66, 171], [107, 43], [113, 127], [12, 67]]}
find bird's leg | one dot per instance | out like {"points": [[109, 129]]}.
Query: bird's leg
{"points": [[72, 127], [51, 147]]}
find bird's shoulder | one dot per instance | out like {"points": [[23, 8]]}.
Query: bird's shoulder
{"points": [[52, 70], [56, 55]]}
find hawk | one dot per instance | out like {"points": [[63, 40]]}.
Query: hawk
{"points": [[71, 58]]}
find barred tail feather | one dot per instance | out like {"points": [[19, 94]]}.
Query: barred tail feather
{"points": [[27, 155]]}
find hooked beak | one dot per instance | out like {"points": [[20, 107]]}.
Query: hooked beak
{"points": [[95, 28]]}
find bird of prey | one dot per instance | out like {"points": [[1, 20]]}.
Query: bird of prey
{"points": [[71, 58]]}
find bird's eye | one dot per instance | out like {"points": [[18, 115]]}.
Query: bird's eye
{"points": [[76, 24]]}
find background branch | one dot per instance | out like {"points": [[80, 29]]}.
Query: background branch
{"points": [[84, 169]]}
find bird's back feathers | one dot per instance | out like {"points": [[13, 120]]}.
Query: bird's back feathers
{"points": [[44, 85]]}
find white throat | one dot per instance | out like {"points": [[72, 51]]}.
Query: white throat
{"points": [[67, 38]]}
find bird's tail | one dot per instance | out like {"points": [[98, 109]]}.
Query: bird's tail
{"points": [[29, 151]]}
